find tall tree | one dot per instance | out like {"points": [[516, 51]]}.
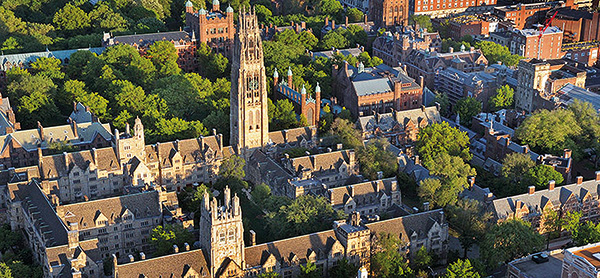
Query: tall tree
{"points": [[71, 18], [347, 134], [233, 167], [549, 131], [343, 269], [503, 99], [436, 139], [540, 175], [467, 108], [164, 57], [388, 262], [310, 270], [461, 269], [508, 240], [375, 157], [469, 218], [164, 237]]}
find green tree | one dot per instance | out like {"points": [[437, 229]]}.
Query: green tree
{"points": [[468, 217], [233, 167], [75, 91], [5, 271], [330, 7], [388, 262], [467, 108], [423, 20], [214, 65], [453, 173], [343, 269], [282, 115], [164, 237], [461, 269], [308, 40], [508, 240], [334, 39], [104, 18], [422, 258], [310, 270], [190, 198], [515, 165], [49, 67], [344, 130], [164, 57], [441, 138], [444, 103], [541, 174], [549, 131], [71, 18], [269, 275], [503, 99], [261, 193], [354, 15], [262, 12], [495, 52], [375, 157]]}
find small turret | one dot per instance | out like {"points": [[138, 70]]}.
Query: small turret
{"points": [[216, 5], [303, 91], [361, 67], [189, 7], [290, 77], [275, 77], [202, 11], [229, 9], [317, 88]]}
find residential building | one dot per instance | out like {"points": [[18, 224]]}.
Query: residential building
{"points": [[394, 48], [471, 25], [185, 262], [539, 80], [527, 43], [389, 13], [213, 27], [581, 261], [457, 84], [535, 205], [330, 54], [23, 60], [184, 42], [399, 127], [561, 164], [429, 64], [367, 198], [379, 89], [567, 95], [582, 52], [578, 25], [443, 9], [304, 104], [525, 15], [8, 121], [368, 26]]}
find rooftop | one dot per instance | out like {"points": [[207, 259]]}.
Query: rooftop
{"points": [[530, 269], [532, 32]]}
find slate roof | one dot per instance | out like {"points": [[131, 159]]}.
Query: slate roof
{"points": [[283, 250], [418, 224], [63, 255], [329, 53], [319, 162], [173, 265], [142, 205], [379, 79], [30, 138], [387, 121], [24, 59], [432, 61], [568, 93], [81, 114], [292, 136], [150, 38], [36, 204], [56, 165], [364, 190], [537, 201]]}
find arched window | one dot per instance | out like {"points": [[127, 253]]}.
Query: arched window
{"points": [[250, 120], [257, 119]]}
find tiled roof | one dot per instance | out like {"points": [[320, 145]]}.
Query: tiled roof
{"points": [[145, 39], [323, 161], [23, 59], [292, 136], [81, 114], [56, 166], [142, 205], [173, 265], [387, 121]]}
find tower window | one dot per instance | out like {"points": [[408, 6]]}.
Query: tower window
{"points": [[222, 237]]}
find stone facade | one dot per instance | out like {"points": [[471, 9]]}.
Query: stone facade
{"points": [[212, 27], [380, 89], [249, 117], [394, 48], [538, 80], [534, 206], [367, 198]]}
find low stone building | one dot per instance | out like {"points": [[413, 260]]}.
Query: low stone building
{"points": [[367, 198], [304, 104]]}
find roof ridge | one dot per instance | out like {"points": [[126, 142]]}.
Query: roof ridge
{"points": [[290, 238], [110, 198]]}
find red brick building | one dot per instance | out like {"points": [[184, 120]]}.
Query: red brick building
{"points": [[527, 43], [582, 52], [388, 13], [436, 8], [380, 89], [213, 27], [184, 42], [304, 104], [525, 15], [468, 25], [578, 25]]}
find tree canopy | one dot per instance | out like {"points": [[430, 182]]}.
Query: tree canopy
{"points": [[461, 269], [164, 237], [467, 108], [549, 131], [439, 138], [503, 99], [508, 240]]}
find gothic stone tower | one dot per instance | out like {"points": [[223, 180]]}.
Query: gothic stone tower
{"points": [[222, 235], [249, 111]]}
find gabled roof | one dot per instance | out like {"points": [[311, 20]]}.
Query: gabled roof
{"points": [[419, 224], [323, 161], [340, 195], [173, 265], [142, 205], [23, 59]]}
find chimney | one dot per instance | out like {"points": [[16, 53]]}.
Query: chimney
{"points": [[471, 182], [340, 146], [74, 126], [66, 156], [551, 185], [186, 246], [422, 82], [351, 188], [214, 131], [332, 24], [127, 129], [579, 180], [426, 206], [531, 190], [380, 175], [41, 130], [451, 49], [568, 153], [346, 22], [355, 219], [326, 21], [473, 49], [404, 68], [597, 175], [131, 258], [175, 248], [365, 17], [252, 238], [142, 256], [417, 161]]}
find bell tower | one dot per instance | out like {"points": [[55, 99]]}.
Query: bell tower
{"points": [[222, 234], [249, 112]]}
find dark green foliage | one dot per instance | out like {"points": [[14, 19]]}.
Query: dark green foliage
{"points": [[343, 269], [508, 240], [540, 175], [388, 262], [376, 157], [423, 20], [164, 237], [441, 138], [467, 108], [461, 269], [503, 99], [495, 52], [17, 259]]}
